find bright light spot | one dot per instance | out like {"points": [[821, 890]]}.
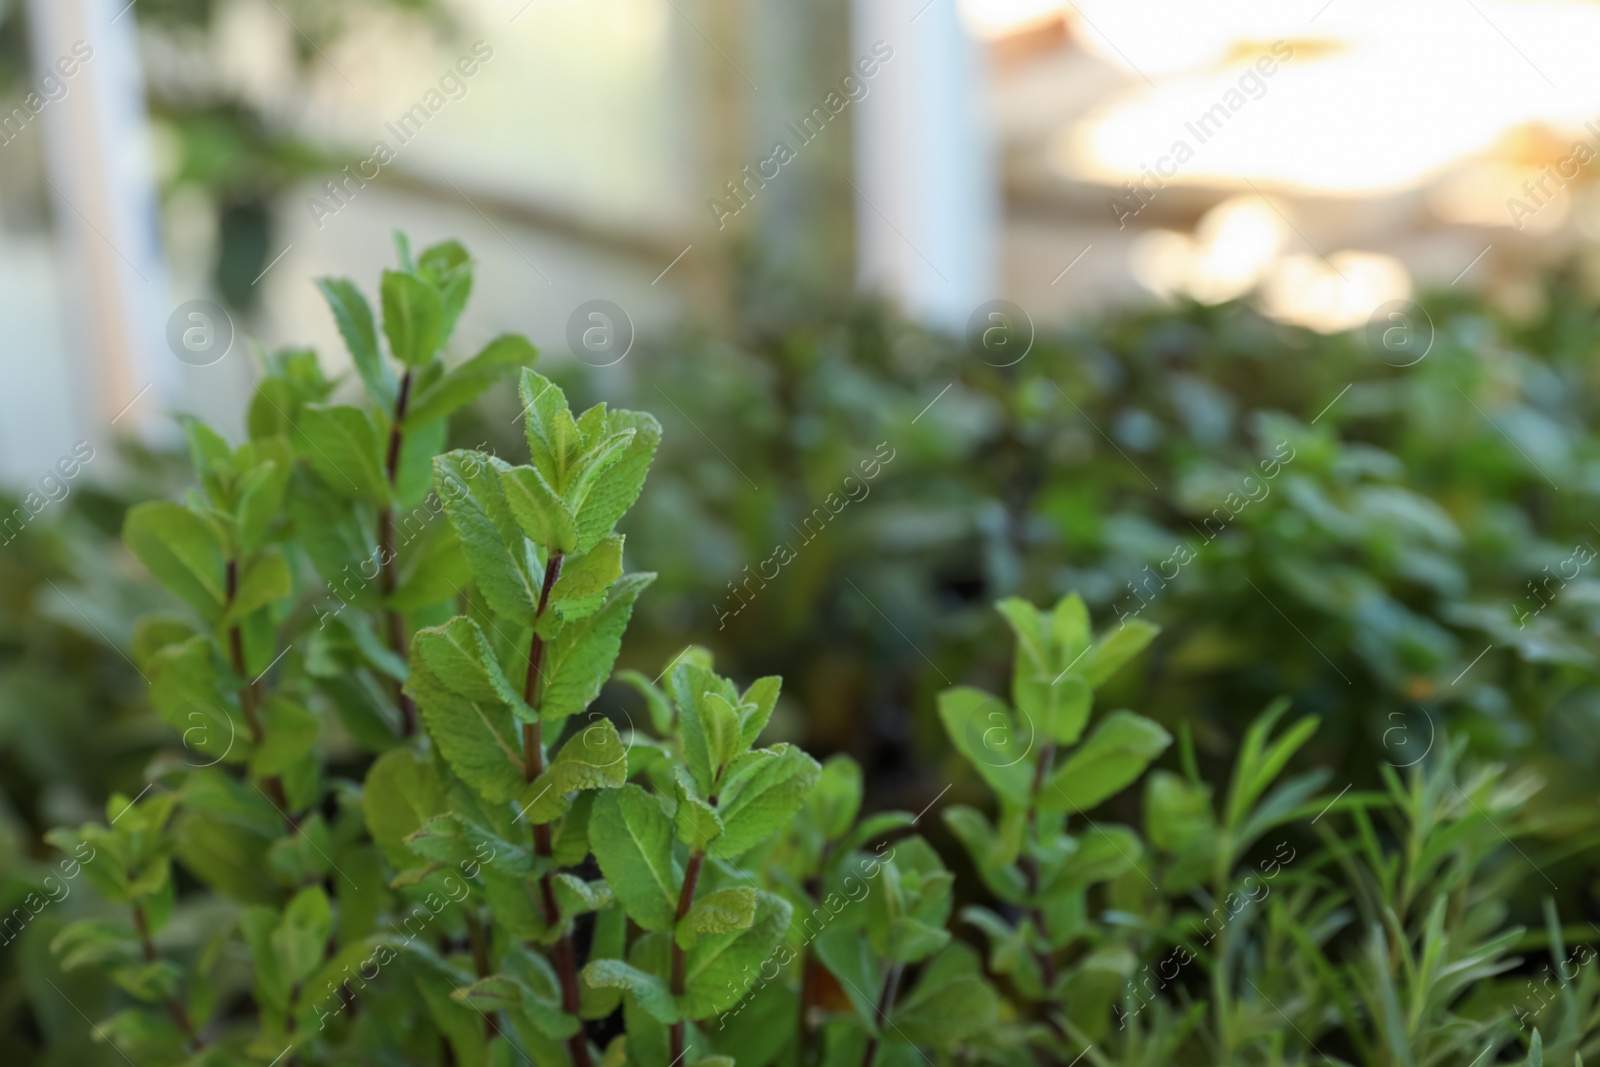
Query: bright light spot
{"points": [[1375, 98], [1335, 294], [995, 19], [1497, 194], [1237, 241], [1232, 250], [1161, 261]]}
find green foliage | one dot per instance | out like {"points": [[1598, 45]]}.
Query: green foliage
{"points": [[397, 819]]}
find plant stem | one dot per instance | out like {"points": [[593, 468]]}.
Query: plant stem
{"points": [[1030, 866], [249, 699], [175, 1007], [478, 939], [532, 767], [691, 878], [386, 561], [891, 986]]}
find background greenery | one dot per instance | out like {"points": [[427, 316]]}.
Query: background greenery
{"points": [[1394, 548]]}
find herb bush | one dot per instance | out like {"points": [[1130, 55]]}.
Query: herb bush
{"points": [[327, 862]]}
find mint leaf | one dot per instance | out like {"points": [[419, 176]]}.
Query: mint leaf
{"points": [[354, 318], [183, 551], [462, 385], [413, 317], [1116, 753], [632, 840]]}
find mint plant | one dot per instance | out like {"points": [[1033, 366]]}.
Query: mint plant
{"points": [[399, 820], [1044, 772]]}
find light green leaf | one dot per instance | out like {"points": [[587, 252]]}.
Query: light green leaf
{"points": [[301, 938], [261, 499], [593, 758], [402, 791], [264, 581], [1115, 754], [763, 791], [182, 550], [697, 822], [343, 447], [554, 442], [354, 318], [984, 731], [721, 912], [469, 486], [632, 840], [1117, 648], [950, 1003], [608, 500], [579, 660], [413, 318], [448, 267], [581, 589], [461, 385], [575, 897], [478, 735], [591, 467], [1177, 813], [538, 509], [650, 992], [837, 798], [288, 733], [717, 961], [187, 692], [460, 657]]}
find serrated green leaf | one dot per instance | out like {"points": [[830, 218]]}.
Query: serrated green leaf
{"points": [[580, 658], [593, 758], [470, 487], [540, 513], [608, 500], [721, 912], [649, 992], [581, 589], [764, 790], [632, 840], [479, 736], [717, 961]]}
